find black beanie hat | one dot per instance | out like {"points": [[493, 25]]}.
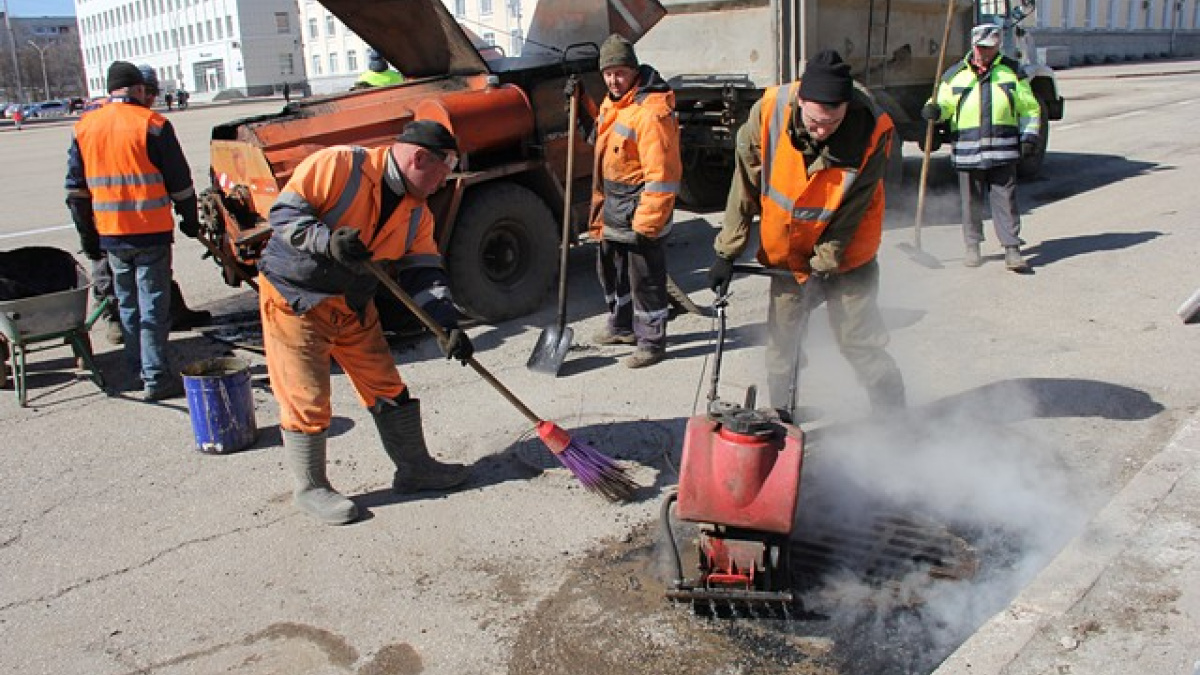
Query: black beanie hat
{"points": [[826, 79], [122, 74], [429, 135], [617, 51]]}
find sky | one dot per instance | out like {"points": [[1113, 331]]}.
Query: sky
{"points": [[27, 8]]}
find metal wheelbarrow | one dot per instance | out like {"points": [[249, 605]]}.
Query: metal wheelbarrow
{"points": [[60, 317]]}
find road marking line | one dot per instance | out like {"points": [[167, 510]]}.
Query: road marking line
{"points": [[43, 230]]}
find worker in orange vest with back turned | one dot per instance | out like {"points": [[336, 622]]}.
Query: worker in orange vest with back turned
{"points": [[342, 206], [125, 170], [810, 161]]}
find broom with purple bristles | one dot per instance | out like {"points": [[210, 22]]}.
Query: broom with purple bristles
{"points": [[595, 470]]}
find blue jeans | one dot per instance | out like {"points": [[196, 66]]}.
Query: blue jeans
{"points": [[142, 281]]}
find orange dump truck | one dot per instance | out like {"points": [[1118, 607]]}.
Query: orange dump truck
{"points": [[498, 218]]}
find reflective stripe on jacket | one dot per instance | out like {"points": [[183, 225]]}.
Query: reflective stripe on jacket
{"points": [[797, 207], [129, 194], [341, 186], [637, 164], [990, 114]]}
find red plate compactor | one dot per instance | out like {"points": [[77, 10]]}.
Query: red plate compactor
{"points": [[739, 479]]}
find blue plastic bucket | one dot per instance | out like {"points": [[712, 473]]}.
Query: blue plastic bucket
{"points": [[221, 404]]}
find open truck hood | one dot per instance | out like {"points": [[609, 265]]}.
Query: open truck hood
{"points": [[421, 39]]}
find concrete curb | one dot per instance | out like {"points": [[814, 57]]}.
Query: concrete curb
{"points": [[1075, 570]]}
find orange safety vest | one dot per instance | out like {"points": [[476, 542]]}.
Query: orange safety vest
{"points": [[796, 207], [129, 194]]}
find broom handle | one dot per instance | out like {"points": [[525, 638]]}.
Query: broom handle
{"points": [[440, 334], [568, 181], [937, 83]]}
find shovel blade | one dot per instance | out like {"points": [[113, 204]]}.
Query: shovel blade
{"points": [[920, 256], [551, 350]]}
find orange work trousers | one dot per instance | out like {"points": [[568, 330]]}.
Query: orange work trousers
{"points": [[299, 349]]}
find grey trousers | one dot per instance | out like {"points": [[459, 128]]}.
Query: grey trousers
{"points": [[999, 186], [857, 325]]}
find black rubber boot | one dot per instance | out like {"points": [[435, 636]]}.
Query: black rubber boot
{"points": [[312, 492], [887, 395], [182, 316], [399, 425]]}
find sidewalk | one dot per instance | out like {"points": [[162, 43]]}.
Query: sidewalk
{"points": [[1122, 597]]}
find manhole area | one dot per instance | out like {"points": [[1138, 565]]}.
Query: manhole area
{"points": [[879, 548]]}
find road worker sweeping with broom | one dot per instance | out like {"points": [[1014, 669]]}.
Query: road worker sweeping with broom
{"points": [[345, 205]]}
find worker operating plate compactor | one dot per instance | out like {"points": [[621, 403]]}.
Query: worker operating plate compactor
{"points": [[739, 480]]}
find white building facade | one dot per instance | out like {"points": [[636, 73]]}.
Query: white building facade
{"points": [[334, 57], [246, 47]]}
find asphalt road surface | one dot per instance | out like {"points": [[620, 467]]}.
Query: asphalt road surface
{"points": [[1034, 399]]}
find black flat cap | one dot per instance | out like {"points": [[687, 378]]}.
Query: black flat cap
{"points": [[429, 135]]}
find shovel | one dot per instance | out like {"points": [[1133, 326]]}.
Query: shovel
{"points": [[555, 341], [914, 250]]}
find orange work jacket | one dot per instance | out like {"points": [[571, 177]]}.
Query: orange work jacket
{"points": [[129, 194], [341, 187], [797, 207]]}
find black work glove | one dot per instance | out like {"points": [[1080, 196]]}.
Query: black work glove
{"points": [[571, 86], [1028, 149], [346, 248], [190, 226], [931, 112], [457, 345], [719, 275]]}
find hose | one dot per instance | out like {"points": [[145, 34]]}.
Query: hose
{"points": [[665, 523]]}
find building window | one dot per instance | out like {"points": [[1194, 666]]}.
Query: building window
{"points": [[460, 7], [284, 29], [330, 25], [208, 31], [485, 7], [515, 44], [220, 31], [352, 60], [333, 63], [191, 35], [287, 65], [316, 64], [514, 8], [312, 28], [490, 38]]}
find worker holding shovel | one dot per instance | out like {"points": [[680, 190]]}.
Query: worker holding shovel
{"points": [[810, 162], [635, 180], [342, 207], [994, 122]]}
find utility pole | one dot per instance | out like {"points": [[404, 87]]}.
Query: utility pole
{"points": [[12, 47], [42, 55]]}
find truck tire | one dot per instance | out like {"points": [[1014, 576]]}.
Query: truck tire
{"points": [[706, 176], [503, 254], [1029, 167]]}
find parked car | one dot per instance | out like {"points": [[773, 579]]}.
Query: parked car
{"points": [[75, 104], [47, 109], [9, 109]]}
